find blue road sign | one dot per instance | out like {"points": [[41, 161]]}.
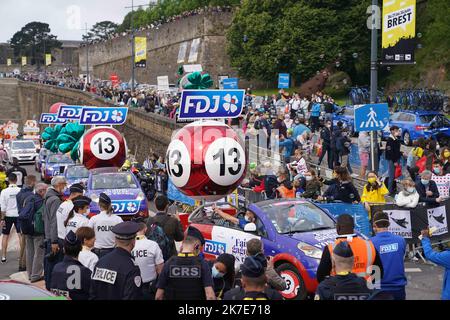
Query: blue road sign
{"points": [[230, 83], [211, 104], [371, 117], [284, 80], [70, 112], [103, 116], [50, 118]]}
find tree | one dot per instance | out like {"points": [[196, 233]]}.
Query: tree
{"points": [[34, 40], [103, 30], [300, 37]]}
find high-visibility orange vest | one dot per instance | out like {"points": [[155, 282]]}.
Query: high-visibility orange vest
{"points": [[286, 193], [363, 252]]}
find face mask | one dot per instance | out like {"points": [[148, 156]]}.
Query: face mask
{"points": [[328, 125], [437, 170], [425, 182], [410, 189], [308, 178], [447, 154], [216, 273], [372, 180], [246, 218], [279, 180]]}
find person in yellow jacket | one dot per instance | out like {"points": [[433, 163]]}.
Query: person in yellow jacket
{"points": [[374, 191], [2, 178]]}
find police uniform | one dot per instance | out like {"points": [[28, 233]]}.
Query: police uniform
{"points": [[64, 209], [66, 274], [78, 220], [103, 224], [253, 267], [344, 285], [185, 277], [116, 276]]}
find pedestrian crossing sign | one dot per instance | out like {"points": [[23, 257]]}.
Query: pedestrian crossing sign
{"points": [[371, 117]]}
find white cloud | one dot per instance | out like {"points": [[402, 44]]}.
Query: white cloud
{"points": [[67, 18]]}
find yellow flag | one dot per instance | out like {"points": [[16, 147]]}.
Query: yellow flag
{"points": [[24, 61], [8, 62], [140, 57], [48, 59]]}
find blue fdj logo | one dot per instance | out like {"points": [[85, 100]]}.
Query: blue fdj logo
{"points": [[215, 248], [70, 112], [393, 247], [230, 83], [105, 116], [50, 118], [211, 104], [126, 206]]}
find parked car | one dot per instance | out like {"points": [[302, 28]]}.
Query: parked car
{"points": [[417, 124], [75, 174], [123, 188], [40, 159], [346, 115], [54, 165], [22, 150], [294, 232], [15, 290]]}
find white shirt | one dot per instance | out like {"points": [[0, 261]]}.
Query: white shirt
{"points": [[102, 225], [76, 222], [295, 105], [302, 168], [61, 215], [8, 201], [87, 258], [407, 200], [147, 255]]}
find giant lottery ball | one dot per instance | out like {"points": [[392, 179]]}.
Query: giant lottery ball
{"points": [[206, 160], [102, 147], [55, 107]]}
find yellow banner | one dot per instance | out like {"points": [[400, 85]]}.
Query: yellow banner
{"points": [[24, 61], [8, 62], [48, 59], [140, 57], [399, 21]]}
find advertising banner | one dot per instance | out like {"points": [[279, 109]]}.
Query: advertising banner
{"points": [[8, 62], [31, 127], [284, 80], [48, 59], [399, 31], [163, 83], [140, 58], [24, 61]]}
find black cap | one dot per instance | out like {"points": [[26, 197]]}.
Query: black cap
{"points": [[261, 258], [343, 250], [194, 232], [76, 188], [81, 201], [72, 239], [126, 230], [104, 198], [252, 268]]}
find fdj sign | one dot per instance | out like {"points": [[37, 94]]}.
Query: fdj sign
{"points": [[211, 104], [50, 118], [125, 206], [103, 116], [70, 112]]}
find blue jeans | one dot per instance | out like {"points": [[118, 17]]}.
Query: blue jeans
{"points": [[391, 175], [49, 265]]}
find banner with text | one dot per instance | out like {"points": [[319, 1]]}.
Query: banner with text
{"points": [[48, 59], [140, 58]]}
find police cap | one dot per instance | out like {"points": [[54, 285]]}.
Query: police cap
{"points": [[194, 232], [252, 268], [81, 201], [104, 198], [126, 230], [72, 239], [343, 250], [76, 188]]}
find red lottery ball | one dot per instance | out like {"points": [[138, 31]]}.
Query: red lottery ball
{"points": [[206, 160], [102, 147], [55, 108]]}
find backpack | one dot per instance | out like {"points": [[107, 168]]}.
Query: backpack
{"points": [[39, 221], [31, 221], [156, 233]]}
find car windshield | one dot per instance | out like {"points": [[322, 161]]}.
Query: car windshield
{"points": [[113, 181], [17, 145], [427, 118], [77, 172], [297, 216], [59, 158]]}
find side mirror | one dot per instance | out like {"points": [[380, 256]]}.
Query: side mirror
{"points": [[250, 227]]}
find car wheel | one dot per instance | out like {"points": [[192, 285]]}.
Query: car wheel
{"points": [[407, 139], [295, 289]]}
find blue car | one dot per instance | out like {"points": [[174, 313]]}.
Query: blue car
{"points": [[54, 165], [123, 188], [346, 115], [294, 232], [75, 174], [420, 124]]}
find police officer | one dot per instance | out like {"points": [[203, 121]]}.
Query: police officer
{"points": [[392, 249], [364, 251], [254, 279], [102, 225], [345, 285], [116, 276], [70, 278], [186, 276]]}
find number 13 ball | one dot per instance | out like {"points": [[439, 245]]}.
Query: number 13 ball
{"points": [[102, 147], [206, 160]]}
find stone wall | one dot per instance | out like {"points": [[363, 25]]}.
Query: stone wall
{"points": [[23, 100], [163, 47]]}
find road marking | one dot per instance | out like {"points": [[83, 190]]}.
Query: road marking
{"points": [[413, 270]]}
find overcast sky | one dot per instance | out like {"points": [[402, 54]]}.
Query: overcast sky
{"points": [[66, 18]]}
